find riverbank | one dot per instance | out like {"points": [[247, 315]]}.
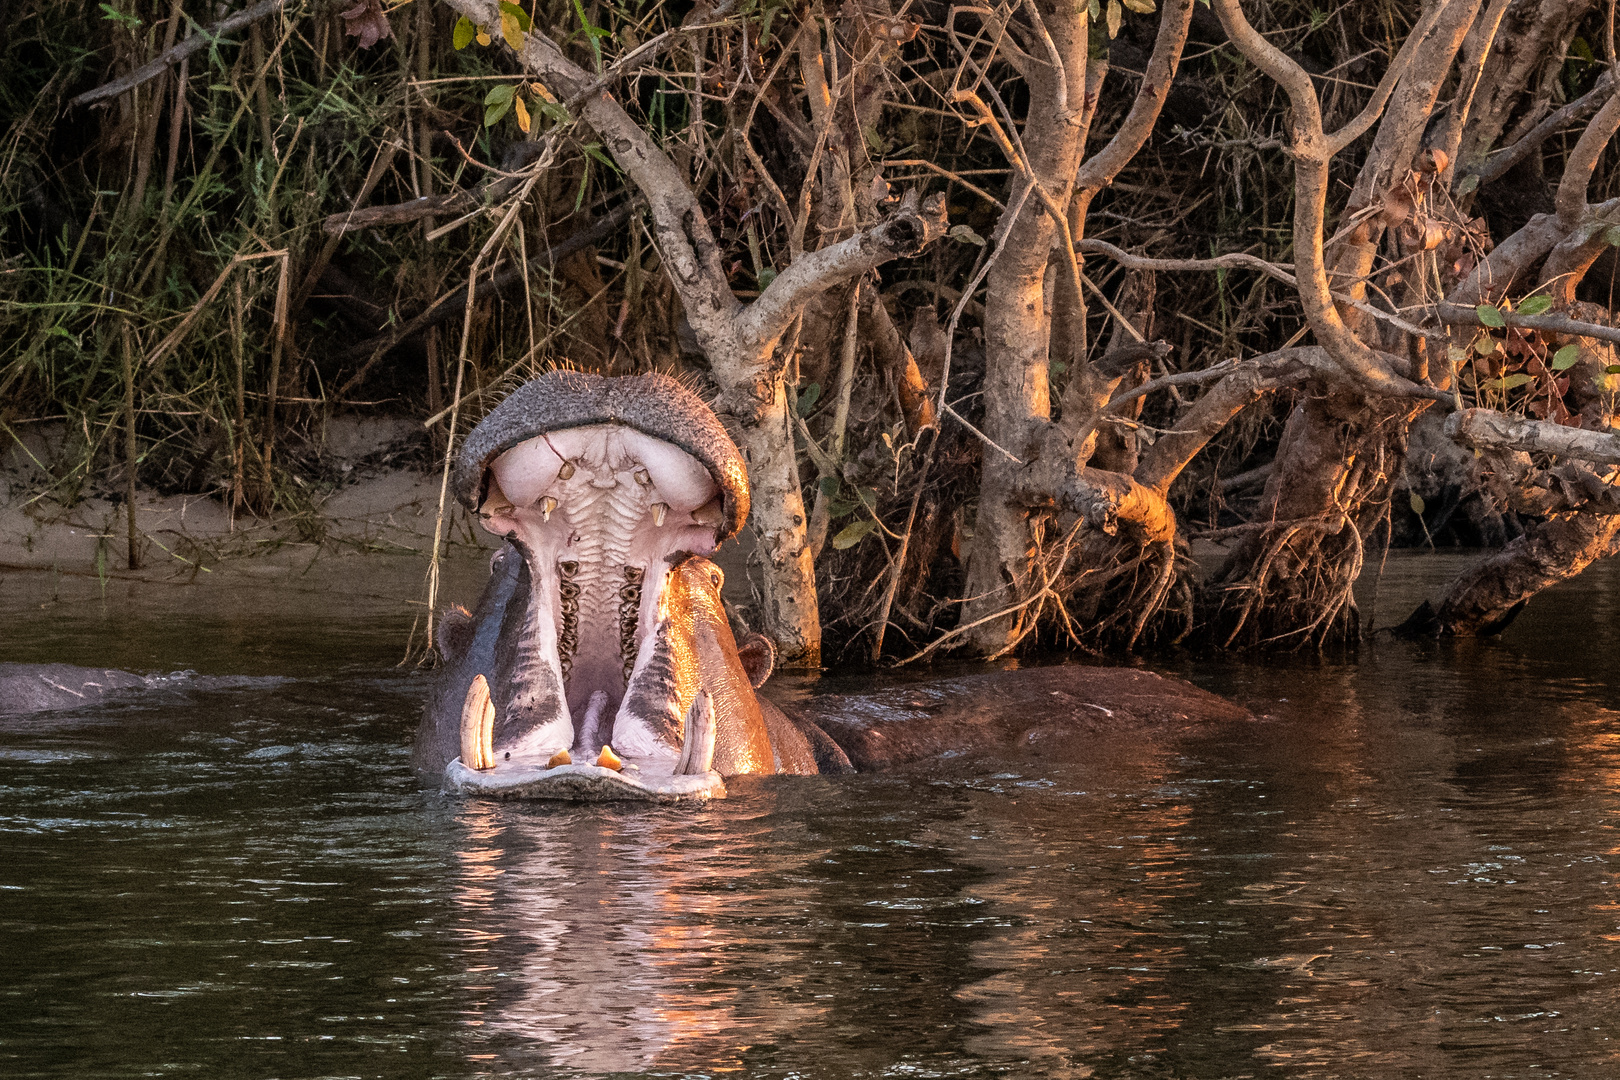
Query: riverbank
{"points": [[361, 499]]}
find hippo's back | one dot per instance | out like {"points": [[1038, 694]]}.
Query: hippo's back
{"points": [[27, 688]]}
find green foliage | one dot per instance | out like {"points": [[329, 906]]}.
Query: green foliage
{"points": [[497, 103], [113, 14], [853, 533]]}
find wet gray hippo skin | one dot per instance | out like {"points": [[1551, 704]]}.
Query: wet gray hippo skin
{"points": [[26, 688], [599, 662]]}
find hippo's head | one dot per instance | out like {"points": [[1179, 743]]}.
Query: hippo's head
{"points": [[602, 624]]}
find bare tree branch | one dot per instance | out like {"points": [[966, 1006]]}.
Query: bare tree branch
{"points": [[1312, 152], [1493, 167], [1457, 315], [1578, 167], [1368, 116], [1102, 498], [207, 37], [1241, 385], [906, 232], [1482, 428], [1101, 168]]}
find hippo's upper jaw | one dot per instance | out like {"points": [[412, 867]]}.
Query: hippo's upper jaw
{"points": [[602, 625]]}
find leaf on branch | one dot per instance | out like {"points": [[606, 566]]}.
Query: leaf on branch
{"points": [[1490, 316], [482, 37], [497, 103], [1141, 7], [1469, 183], [1611, 236], [1115, 14], [1535, 305], [852, 534], [1612, 369], [514, 21], [965, 234], [1417, 503], [1510, 382], [808, 396], [1484, 344], [1565, 358], [464, 33], [368, 22], [522, 112], [524, 22]]}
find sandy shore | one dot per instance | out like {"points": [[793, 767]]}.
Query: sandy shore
{"points": [[368, 506]]}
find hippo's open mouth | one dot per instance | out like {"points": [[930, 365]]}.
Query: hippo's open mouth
{"points": [[604, 667]]}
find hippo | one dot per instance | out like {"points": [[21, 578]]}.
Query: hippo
{"points": [[600, 662], [28, 688]]}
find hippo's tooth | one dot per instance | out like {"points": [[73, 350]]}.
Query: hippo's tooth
{"points": [[697, 737], [547, 505], [478, 726], [495, 502], [590, 726], [643, 477], [567, 471], [658, 512], [607, 759]]}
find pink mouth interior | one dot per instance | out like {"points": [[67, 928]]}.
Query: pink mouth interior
{"points": [[598, 511]]}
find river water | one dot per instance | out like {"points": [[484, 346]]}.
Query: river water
{"points": [[1405, 868]]}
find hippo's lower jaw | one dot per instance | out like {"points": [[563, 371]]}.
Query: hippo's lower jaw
{"points": [[579, 783], [689, 777]]}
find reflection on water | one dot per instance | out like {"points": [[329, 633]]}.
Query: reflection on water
{"points": [[1405, 868]]}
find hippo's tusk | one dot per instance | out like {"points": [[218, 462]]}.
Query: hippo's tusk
{"points": [[710, 513], [478, 726], [697, 737], [547, 505], [658, 512]]}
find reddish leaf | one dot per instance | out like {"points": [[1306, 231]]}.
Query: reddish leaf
{"points": [[368, 22]]}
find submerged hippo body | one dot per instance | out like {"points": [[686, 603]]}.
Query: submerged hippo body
{"points": [[599, 663], [28, 688]]}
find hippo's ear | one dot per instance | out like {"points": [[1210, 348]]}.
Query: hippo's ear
{"points": [[758, 658], [455, 633]]}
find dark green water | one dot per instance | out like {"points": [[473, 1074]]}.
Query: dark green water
{"points": [[1406, 869]]}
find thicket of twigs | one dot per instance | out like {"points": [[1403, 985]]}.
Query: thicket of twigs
{"points": [[200, 269]]}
